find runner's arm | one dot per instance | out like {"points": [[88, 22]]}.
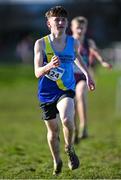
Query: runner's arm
{"points": [[95, 53], [39, 69], [82, 67]]}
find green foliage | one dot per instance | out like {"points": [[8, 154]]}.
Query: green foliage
{"points": [[24, 151]]}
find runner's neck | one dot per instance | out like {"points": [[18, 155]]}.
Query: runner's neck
{"points": [[58, 38]]}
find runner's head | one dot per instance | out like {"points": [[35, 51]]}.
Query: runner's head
{"points": [[57, 19], [79, 26]]}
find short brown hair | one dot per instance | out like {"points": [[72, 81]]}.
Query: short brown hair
{"points": [[80, 20], [57, 11]]}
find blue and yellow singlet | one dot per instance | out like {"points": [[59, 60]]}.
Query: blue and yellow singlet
{"points": [[52, 85]]}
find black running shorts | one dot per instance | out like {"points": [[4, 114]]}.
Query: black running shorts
{"points": [[79, 77], [49, 110]]}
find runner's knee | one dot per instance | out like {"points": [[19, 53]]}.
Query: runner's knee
{"points": [[53, 134], [68, 122]]}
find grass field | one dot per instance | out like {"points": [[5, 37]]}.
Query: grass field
{"points": [[24, 151]]}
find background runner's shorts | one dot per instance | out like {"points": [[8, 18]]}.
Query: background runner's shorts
{"points": [[49, 110], [79, 77]]}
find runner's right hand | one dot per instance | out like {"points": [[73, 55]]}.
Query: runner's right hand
{"points": [[55, 62]]}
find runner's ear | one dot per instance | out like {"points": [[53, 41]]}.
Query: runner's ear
{"points": [[48, 24]]}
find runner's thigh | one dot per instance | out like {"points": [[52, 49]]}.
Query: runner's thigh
{"points": [[66, 108]]}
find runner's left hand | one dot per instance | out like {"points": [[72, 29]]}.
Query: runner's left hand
{"points": [[106, 65], [90, 84]]}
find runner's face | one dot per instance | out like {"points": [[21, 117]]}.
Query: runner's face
{"points": [[57, 24], [78, 29]]}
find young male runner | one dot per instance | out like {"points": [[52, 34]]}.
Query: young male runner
{"points": [[88, 51], [53, 63]]}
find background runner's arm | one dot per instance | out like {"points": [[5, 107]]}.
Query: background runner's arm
{"points": [[95, 53], [39, 69]]}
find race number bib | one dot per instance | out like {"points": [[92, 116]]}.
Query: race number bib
{"points": [[55, 73]]}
